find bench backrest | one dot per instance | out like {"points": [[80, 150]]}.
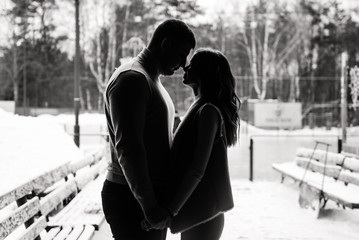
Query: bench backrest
{"points": [[337, 165], [29, 205], [350, 150]]}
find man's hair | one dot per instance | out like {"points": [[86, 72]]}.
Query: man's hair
{"points": [[176, 30]]}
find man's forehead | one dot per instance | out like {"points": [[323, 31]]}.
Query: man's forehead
{"points": [[185, 48]]}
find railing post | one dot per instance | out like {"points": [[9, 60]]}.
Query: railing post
{"points": [[251, 159], [340, 145]]}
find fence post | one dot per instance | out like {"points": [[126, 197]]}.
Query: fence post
{"points": [[251, 159]]}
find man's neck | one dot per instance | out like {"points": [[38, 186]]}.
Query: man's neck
{"points": [[151, 63]]}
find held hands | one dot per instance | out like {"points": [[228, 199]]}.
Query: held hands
{"points": [[156, 218]]}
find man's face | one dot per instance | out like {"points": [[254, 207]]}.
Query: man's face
{"points": [[174, 58]]}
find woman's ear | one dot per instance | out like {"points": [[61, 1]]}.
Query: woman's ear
{"points": [[166, 44]]}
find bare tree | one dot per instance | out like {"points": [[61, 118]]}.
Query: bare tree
{"points": [[269, 42]]}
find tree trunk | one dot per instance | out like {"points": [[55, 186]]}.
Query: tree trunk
{"points": [[99, 101], [24, 83], [15, 74], [125, 23], [254, 58], [294, 88], [265, 63], [88, 100], [111, 51]]}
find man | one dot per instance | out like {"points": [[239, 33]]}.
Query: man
{"points": [[140, 116]]}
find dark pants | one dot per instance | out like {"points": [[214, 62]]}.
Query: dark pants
{"points": [[211, 230], [124, 214]]}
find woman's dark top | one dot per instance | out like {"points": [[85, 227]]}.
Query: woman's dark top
{"points": [[212, 194]]}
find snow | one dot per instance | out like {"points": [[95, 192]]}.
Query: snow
{"points": [[30, 146], [264, 209]]}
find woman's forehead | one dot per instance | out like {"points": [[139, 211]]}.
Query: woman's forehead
{"points": [[189, 57]]}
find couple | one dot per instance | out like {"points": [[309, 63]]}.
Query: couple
{"points": [[156, 180]]}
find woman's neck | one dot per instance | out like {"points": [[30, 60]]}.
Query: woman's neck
{"points": [[197, 93]]}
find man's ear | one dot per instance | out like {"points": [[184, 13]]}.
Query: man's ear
{"points": [[166, 44]]}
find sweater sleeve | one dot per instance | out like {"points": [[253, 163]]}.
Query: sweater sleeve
{"points": [[127, 100], [208, 124]]}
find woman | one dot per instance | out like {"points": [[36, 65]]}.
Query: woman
{"points": [[200, 189]]}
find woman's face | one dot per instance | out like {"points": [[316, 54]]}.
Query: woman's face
{"points": [[190, 77]]}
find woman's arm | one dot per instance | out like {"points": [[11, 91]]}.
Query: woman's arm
{"points": [[208, 123]]}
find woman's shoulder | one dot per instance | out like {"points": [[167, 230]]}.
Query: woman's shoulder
{"points": [[209, 110]]}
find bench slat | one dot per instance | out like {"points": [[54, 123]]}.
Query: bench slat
{"points": [[49, 178], [15, 194], [85, 208], [51, 233], [320, 155], [346, 195], [34, 230], [86, 212], [63, 233], [330, 170], [86, 175], [93, 158], [51, 201], [351, 164], [75, 166], [19, 217], [37, 185], [76, 233], [88, 232], [350, 150]]}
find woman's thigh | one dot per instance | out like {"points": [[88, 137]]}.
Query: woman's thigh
{"points": [[211, 230]]}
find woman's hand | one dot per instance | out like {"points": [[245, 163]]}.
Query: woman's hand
{"points": [[156, 218]]}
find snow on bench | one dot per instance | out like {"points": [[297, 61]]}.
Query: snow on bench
{"points": [[26, 211], [334, 175]]}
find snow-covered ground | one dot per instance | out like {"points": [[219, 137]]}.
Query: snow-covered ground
{"points": [[264, 209]]}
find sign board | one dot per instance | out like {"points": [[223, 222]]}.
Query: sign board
{"points": [[8, 106], [278, 115]]}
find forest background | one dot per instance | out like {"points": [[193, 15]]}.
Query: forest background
{"points": [[288, 51]]}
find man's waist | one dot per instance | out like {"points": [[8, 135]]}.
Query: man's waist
{"points": [[119, 178], [116, 178]]}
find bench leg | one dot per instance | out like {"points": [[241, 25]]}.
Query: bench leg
{"points": [[282, 178], [325, 200], [321, 204]]}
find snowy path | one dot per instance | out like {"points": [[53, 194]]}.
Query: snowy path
{"points": [[270, 210]]}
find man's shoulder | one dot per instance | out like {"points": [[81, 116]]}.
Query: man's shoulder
{"points": [[128, 78], [131, 73], [128, 75]]}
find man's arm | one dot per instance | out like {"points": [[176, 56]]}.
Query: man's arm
{"points": [[128, 99]]}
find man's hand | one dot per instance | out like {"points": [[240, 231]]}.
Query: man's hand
{"points": [[156, 218]]}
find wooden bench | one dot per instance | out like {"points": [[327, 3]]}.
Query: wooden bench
{"points": [[333, 176], [32, 210]]}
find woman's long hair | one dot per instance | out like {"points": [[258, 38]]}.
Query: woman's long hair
{"points": [[217, 85]]}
